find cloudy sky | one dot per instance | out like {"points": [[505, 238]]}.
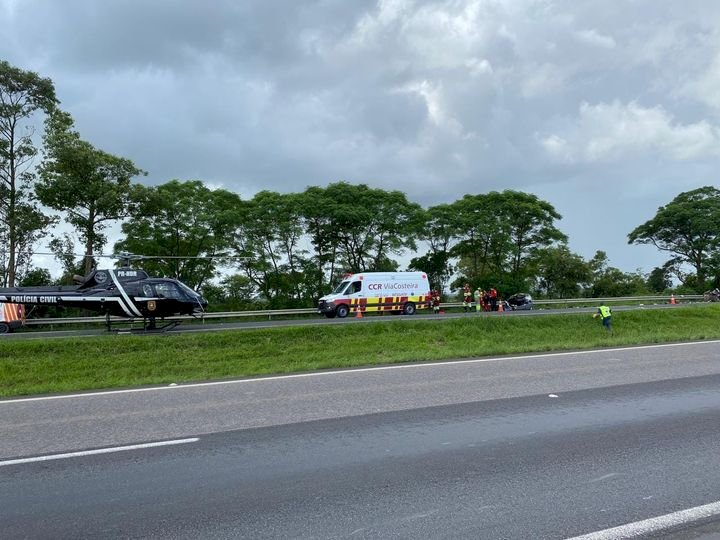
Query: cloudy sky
{"points": [[605, 109]]}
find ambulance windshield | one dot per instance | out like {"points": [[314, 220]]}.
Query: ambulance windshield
{"points": [[340, 288]]}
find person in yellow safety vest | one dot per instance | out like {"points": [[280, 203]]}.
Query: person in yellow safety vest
{"points": [[605, 313], [478, 299], [467, 298]]}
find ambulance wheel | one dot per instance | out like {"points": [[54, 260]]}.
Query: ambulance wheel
{"points": [[342, 311], [330, 314], [4, 328], [409, 309]]}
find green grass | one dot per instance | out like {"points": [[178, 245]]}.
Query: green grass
{"points": [[60, 365]]}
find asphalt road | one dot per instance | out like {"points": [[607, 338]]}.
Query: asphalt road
{"points": [[541, 446]]}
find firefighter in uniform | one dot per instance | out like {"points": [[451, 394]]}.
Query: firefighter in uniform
{"points": [[493, 299], [435, 299], [467, 298]]}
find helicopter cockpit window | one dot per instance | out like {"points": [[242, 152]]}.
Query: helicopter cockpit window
{"points": [[188, 290], [168, 290], [147, 290]]}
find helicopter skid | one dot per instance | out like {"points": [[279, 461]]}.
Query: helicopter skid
{"points": [[149, 329]]}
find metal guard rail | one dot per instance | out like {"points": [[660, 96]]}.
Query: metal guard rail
{"points": [[269, 313]]}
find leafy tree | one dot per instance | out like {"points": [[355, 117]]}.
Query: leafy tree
{"points": [[658, 279], [177, 221], [37, 277], [91, 186], [30, 224], [483, 241], [530, 221], [439, 228], [40, 277], [23, 95], [713, 266], [64, 249], [688, 227], [499, 234], [269, 246], [608, 281], [234, 292], [361, 228], [372, 225], [561, 273], [321, 267], [599, 262], [437, 267], [615, 282]]}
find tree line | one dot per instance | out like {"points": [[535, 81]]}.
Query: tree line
{"points": [[287, 249]]}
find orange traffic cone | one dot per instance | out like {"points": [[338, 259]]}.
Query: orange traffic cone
{"points": [[500, 307], [358, 314], [672, 299]]}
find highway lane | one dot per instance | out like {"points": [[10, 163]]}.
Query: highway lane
{"points": [[210, 325], [529, 466], [64, 423]]}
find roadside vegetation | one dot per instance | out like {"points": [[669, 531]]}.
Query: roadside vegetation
{"points": [[42, 366]]}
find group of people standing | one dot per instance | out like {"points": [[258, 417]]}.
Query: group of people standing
{"points": [[488, 301], [483, 300]]}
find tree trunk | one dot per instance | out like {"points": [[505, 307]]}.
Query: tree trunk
{"points": [[89, 241], [12, 229]]}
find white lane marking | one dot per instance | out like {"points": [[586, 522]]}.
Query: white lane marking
{"points": [[653, 525], [98, 451], [605, 477], [356, 370]]}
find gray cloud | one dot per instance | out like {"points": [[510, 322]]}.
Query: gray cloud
{"points": [[601, 110]]}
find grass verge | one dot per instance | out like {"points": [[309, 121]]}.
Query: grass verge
{"points": [[113, 361]]}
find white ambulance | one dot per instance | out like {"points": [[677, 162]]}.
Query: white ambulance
{"points": [[12, 316], [393, 292]]}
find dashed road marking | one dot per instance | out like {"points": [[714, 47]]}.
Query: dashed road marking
{"points": [[97, 451], [654, 525], [605, 477]]}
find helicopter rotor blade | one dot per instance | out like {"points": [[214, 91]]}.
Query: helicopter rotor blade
{"points": [[134, 257]]}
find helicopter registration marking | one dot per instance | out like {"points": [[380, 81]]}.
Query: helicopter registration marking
{"points": [[29, 299]]}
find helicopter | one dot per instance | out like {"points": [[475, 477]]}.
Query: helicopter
{"points": [[123, 292]]}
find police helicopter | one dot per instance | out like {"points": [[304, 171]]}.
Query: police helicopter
{"points": [[123, 292]]}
